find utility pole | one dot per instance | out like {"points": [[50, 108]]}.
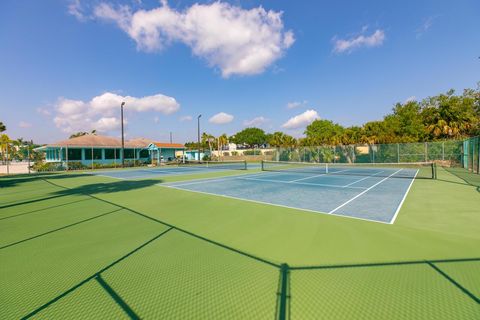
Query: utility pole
{"points": [[171, 137], [198, 135], [123, 139]]}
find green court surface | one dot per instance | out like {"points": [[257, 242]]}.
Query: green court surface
{"points": [[92, 247]]}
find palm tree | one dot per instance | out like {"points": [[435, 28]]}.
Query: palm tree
{"points": [[2, 127], [222, 141], [208, 138], [4, 142]]}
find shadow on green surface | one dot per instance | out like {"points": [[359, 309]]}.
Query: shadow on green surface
{"points": [[43, 209], [11, 181], [109, 187], [470, 178], [118, 300], [58, 229]]}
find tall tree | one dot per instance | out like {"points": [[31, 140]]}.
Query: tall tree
{"points": [[250, 137], [280, 139], [324, 132], [2, 127], [222, 141], [209, 139], [4, 146]]}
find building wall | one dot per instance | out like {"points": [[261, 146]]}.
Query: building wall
{"points": [[104, 155], [85, 156]]}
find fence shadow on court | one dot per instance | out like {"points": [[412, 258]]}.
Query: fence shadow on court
{"points": [[109, 187], [12, 181]]}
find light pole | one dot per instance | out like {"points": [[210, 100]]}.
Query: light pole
{"points": [[123, 141], [198, 135]]}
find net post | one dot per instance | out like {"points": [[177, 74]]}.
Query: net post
{"points": [[283, 295], [263, 167]]}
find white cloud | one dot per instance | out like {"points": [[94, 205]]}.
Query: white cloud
{"points": [[235, 40], [221, 118], [101, 112], [186, 118], [348, 45], [426, 25], [44, 111], [23, 124], [258, 121], [296, 104], [301, 120], [75, 9]]}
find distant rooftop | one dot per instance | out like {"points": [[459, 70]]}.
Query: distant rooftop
{"points": [[90, 140]]}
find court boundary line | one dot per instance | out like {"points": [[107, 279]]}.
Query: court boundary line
{"points": [[392, 221], [201, 180], [195, 179], [316, 176], [373, 175], [272, 204], [363, 192], [302, 183]]}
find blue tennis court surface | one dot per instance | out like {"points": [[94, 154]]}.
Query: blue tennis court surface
{"points": [[377, 196]]}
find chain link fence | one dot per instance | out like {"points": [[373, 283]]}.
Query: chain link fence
{"points": [[452, 153]]}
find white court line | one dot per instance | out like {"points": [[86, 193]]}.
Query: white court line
{"points": [[403, 199], [363, 192], [202, 180], [270, 204], [103, 175], [318, 175], [300, 183], [348, 185]]}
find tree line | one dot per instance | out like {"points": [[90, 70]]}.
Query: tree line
{"points": [[441, 117], [18, 149]]}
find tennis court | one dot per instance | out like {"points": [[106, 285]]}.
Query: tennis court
{"points": [[88, 246], [369, 192]]}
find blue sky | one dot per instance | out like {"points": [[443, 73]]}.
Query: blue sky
{"points": [[65, 65]]}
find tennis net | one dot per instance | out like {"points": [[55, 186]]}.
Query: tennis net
{"points": [[225, 165], [423, 170]]}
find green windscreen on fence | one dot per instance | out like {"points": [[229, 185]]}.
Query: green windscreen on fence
{"points": [[449, 153]]}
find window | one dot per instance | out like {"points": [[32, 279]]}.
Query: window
{"points": [[129, 154], [74, 154], [144, 153], [110, 154], [97, 154]]}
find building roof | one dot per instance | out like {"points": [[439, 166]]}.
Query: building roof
{"points": [[91, 140], [169, 145]]}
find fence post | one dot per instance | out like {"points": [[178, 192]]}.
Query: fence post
{"points": [[66, 157], [398, 152], [443, 150], [283, 292], [478, 155], [8, 169], [426, 152]]}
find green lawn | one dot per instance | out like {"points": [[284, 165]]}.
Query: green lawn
{"points": [[77, 245]]}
